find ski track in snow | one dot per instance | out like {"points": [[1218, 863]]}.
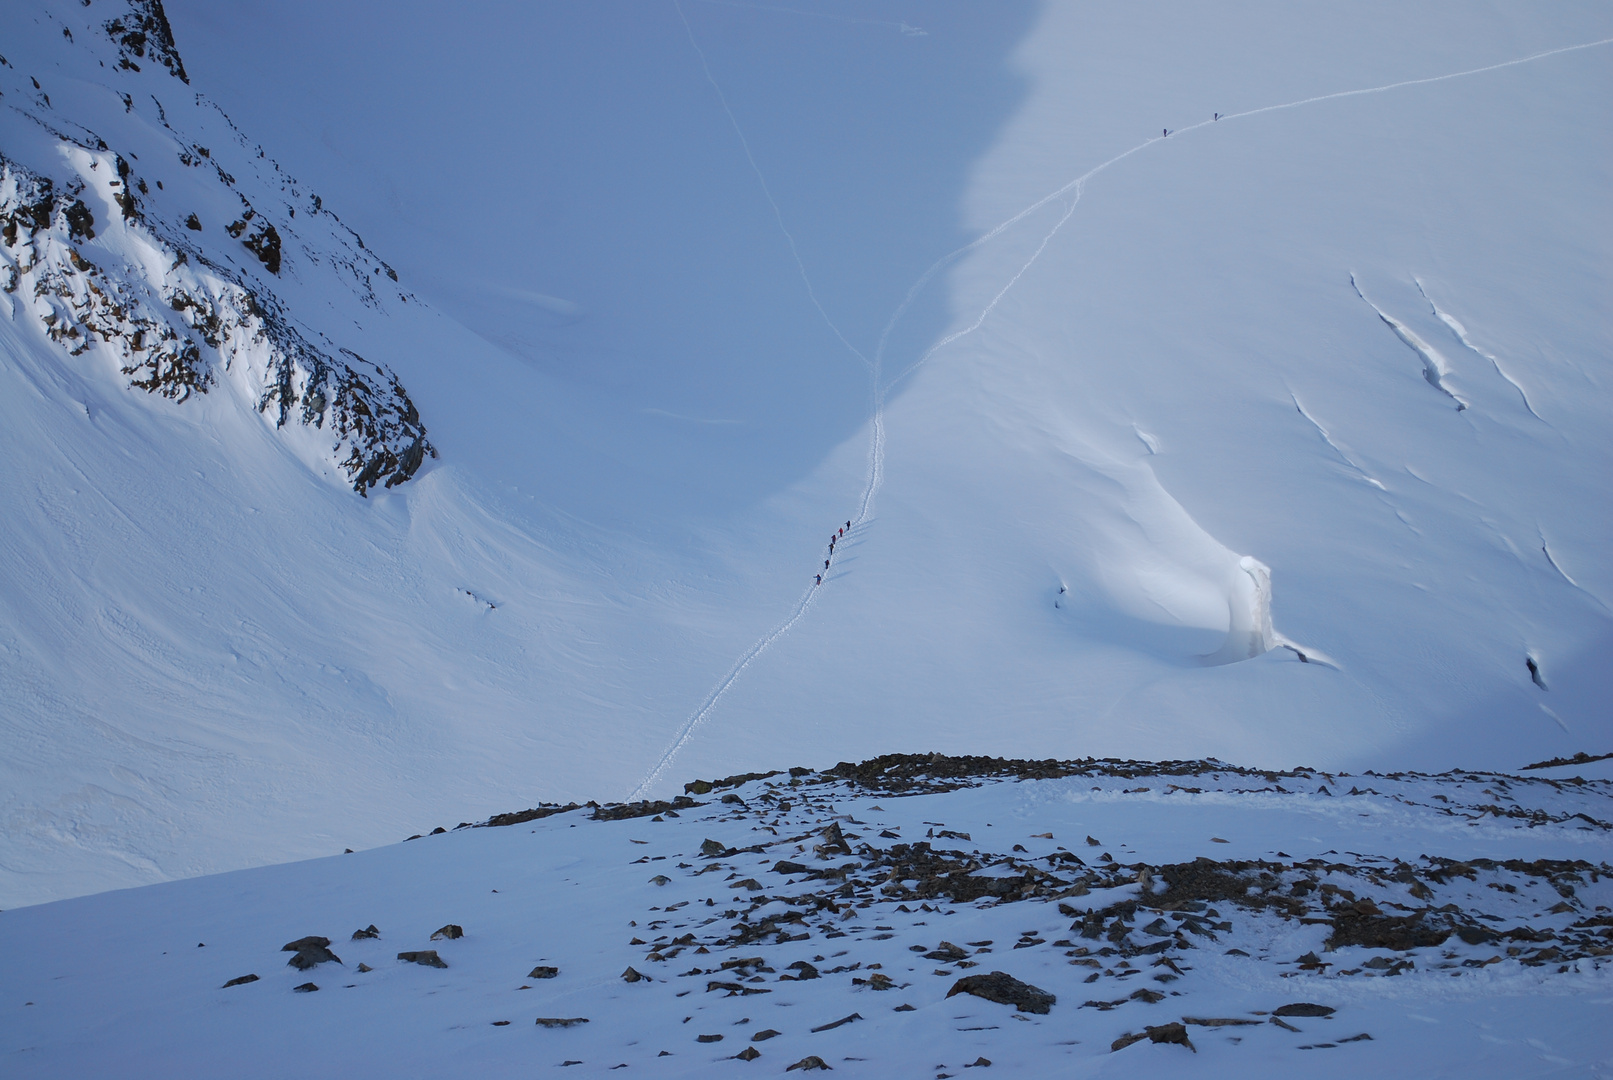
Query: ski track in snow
{"points": [[1434, 370]]}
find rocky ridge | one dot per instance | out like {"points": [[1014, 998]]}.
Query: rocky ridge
{"points": [[108, 264]]}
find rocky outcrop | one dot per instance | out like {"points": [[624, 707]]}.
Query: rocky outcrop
{"points": [[143, 33], [175, 321]]}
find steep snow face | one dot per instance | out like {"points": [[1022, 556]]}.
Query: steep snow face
{"points": [[1123, 461], [1163, 425]]}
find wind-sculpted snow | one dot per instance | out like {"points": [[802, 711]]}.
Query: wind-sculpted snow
{"points": [[113, 277], [906, 916]]}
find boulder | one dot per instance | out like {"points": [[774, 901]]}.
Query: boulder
{"points": [[425, 957], [1004, 989]]}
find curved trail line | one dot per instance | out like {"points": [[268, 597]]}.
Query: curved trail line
{"points": [[876, 468]]}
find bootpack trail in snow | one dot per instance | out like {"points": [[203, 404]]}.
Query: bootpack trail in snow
{"points": [[1070, 194]]}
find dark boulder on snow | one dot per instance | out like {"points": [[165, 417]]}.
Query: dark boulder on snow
{"points": [[240, 980], [368, 932], [633, 976], [561, 1021], [712, 848], [305, 943], [452, 932], [1003, 988], [312, 956], [1303, 1008], [541, 972], [305, 988], [1162, 1033], [426, 957], [808, 1063]]}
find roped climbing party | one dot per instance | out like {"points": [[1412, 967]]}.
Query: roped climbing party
{"points": [[834, 537]]}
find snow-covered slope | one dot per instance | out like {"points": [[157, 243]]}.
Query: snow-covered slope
{"points": [[1280, 438], [1178, 919]]}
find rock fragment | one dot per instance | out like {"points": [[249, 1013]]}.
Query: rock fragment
{"points": [[542, 972], [1162, 1033], [239, 980], [836, 1023], [808, 1063], [1303, 1008], [305, 988], [750, 1053], [633, 976], [1003, 988], [425, 957], [561, 1021], [312, 956], [368, 932], [452, 932]]}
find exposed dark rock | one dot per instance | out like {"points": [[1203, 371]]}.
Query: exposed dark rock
{"points": [[647, 808], [803, 970], [784, 866], [1163, 1033], [310, 942], [1213, 1021], [364, 967], [708, 1038], [712, 848], [240, 980], [1303, 1008], [145, 31], [764, 1035], [946, 952], [633, 976], [265, 244], [522, 816], [750, 1053], [541, 972], [561, 1021], [425, 957], [311, 956], [834, 841], [1004, 989], [368, 932], [453, 932], [1397, 932], [305, 988], [1581, 758], [837, 1023], [808, 1063]]}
